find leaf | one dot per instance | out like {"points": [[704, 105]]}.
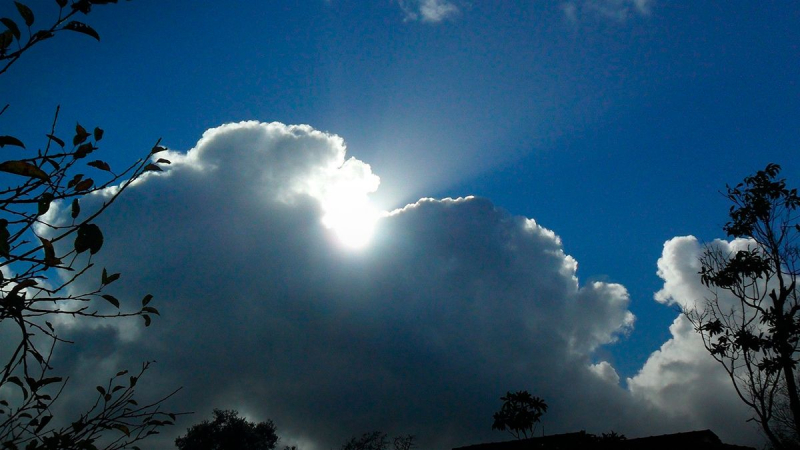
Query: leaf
{"points": [[76, 208], [89, 238], [108, 279], [50, 259], [11, 25], [102, 165], [56, 140], [61, 3], [157, 149], [17, 381], [84, 185], [112, 278], [50, 380], [50, 325], [111, 299], [122, 428], [6, 38], [78, 426], [80, 135], [98, 133], [82, 28], [146, 299], [152, 168], [10, 140], [151, 310], [83, 6], [75, 180], [20, 286], [42, 35], [147, 320], [84, 150], [44, 203], [52, 163], [25, 12], [163, 161], [37, 356], [101, 390], [23, 168], [5, 247], [43, 423], [134, 380]]}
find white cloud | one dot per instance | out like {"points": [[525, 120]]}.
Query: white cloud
{"points": [[681, 378], [605, 371], [432, 11], [616, 10], [453, 303]]}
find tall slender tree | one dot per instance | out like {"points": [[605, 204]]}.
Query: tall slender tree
{"points": [[750, 321]]}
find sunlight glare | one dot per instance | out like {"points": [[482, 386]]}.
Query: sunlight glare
{"points": [[351, 217]]}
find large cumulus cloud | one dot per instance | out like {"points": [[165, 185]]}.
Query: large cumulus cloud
{"points": [[452, 303]]}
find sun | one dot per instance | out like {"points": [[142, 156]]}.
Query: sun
{"points": [[351, 217]]}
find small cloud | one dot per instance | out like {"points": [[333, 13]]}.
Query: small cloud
{"points": [[432, 11], [615, 10], [605, 372]]}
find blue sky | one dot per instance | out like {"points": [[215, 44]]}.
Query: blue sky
{"points": [[613, 123]]}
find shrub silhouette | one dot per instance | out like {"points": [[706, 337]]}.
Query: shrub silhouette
{"points": [[228, 431]]}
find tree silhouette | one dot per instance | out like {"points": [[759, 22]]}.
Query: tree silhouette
{"points": [[228, 431], [519, 414], [43, 254], [755, 337]]}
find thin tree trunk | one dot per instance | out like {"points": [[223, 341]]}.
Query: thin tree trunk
{"points": [[776, 443], [794, 401]]}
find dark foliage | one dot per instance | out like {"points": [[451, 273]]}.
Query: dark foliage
{"points": [[37, 250], [379, 441], [228, 431]]}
